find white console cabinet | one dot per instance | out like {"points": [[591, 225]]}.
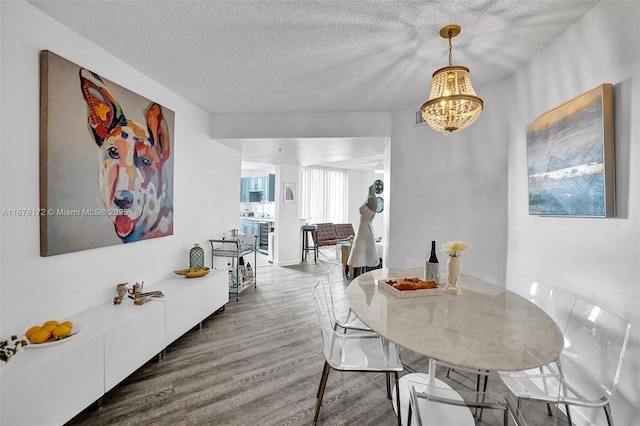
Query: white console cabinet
{"points": [[49, 385]]}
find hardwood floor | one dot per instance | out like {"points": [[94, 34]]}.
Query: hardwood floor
{"points": [[258, 362]]}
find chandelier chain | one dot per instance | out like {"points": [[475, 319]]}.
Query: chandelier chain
{"points": [[450, 54]]}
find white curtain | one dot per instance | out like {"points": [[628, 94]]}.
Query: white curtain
{"points": [[323, 194]]}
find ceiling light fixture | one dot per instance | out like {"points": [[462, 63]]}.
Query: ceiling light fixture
{"points": [[379, 168], [453, 104]]}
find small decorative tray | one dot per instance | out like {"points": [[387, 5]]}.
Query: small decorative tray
{"points": [[384, 287], [193, 274]]}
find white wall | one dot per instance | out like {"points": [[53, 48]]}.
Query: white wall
{"points": [[287, 233], [33, 288], [302, 125], [450, 187], [597, 259]]}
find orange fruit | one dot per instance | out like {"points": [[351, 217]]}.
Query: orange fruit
{"points": [[40, 336], [49, 327], [68, 324], [48, 323], [61, 331], [30, 331]]}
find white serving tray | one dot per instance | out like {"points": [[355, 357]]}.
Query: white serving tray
{"points": [[384, 287]]}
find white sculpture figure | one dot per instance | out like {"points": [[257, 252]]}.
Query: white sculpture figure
{"points": [[363, 251]]}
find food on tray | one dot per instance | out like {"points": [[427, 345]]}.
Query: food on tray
{"points": [[191, 270], [405, 285], [427, 284], [412, 283], [49, 331]]}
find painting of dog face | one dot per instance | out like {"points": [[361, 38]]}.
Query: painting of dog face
{"points": [[131, 162], [124, 193]]}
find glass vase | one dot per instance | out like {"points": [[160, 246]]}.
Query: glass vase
{"points": [[196, 256]]}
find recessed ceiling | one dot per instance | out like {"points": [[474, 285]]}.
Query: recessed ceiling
{"points": [[314, 56]]}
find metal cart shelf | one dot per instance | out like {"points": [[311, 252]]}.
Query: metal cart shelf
{"points": [[234, 248]]}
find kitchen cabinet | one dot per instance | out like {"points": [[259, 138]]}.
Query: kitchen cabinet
{"points": [[244, 190], [270, 187], [257, 188], [249, 227], [256, 183]]}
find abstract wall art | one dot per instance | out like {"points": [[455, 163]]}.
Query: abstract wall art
{"points": [[570, 156], [106, 169], [289, 192]]}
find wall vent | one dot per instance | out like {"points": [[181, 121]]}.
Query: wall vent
{"points": [[419, 120]]}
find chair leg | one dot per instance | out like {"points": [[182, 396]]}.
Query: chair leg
{"points": [[505, 417], [323, 378], [388, 376], [568, 415], [398, 398], [484, 391], [607, 412], [409, 413], [323, 384], [549, 412]]}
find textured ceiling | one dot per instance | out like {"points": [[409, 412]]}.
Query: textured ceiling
{"points": [[314, 56]]}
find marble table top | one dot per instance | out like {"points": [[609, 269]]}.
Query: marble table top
{"points": [[487, 327]]}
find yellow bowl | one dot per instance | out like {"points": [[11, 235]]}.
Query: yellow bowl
{"points": [[197, 274]]}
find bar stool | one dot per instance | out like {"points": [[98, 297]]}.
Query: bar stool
{"points": [[309, 231]]}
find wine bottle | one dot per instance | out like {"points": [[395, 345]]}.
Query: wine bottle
{"points": [[241, 270], [232, 275], [431, 271], [249, 270]]}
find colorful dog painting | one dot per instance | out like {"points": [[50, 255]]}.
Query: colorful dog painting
{"points": [[127, 194], [131, 158]]}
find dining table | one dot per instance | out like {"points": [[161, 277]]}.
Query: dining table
{"points": [[487, 327]]}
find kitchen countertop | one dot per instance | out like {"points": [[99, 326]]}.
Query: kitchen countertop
{"points": [[258, 219]]}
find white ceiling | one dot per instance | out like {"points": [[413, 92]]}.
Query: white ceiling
{"points": [[314, 56]]}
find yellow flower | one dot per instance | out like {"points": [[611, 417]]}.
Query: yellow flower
{"points": [[453, 248]]}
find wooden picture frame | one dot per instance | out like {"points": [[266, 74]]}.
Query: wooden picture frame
{"points": [[570, 157]]}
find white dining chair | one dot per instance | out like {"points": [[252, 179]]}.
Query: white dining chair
{"points": [[428, 400], [588, 367], [357, 351], [339, 310]]}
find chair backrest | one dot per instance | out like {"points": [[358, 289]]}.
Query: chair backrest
{"points": [[559, 306], [321, 301], [337, 289], [557, 303], [595, 343]]}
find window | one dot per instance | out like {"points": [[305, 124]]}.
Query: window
{"points": [[324, 194]]}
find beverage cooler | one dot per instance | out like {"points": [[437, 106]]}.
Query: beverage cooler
{"points": [[264, 237]]}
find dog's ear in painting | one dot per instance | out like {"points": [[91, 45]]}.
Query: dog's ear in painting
{"points": [[103, 110], [158, 132]]}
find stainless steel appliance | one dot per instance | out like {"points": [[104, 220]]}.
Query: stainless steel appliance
{"points": [[263, 232]]}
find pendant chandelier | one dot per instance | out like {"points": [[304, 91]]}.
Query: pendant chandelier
{"points": [[453, 104]]}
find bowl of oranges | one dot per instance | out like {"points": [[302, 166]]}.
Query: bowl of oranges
{"points": [[52, 332]]}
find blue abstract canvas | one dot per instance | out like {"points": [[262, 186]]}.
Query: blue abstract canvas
{"points": [[570, 157]]}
